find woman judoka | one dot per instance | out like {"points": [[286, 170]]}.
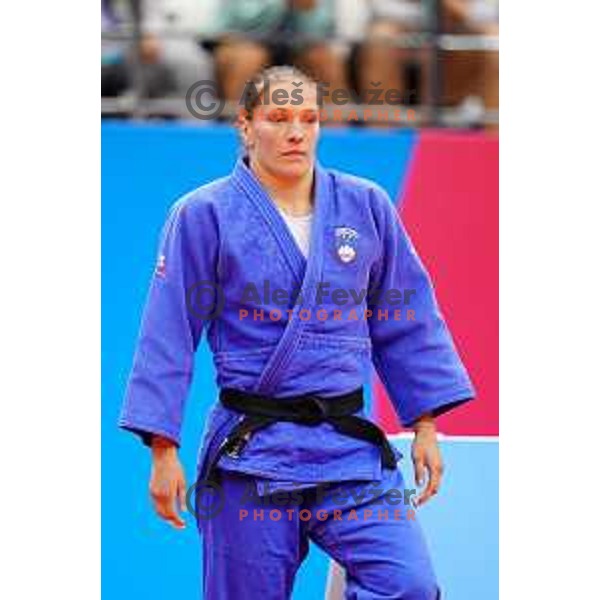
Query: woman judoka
{"points": [[290, 415]]}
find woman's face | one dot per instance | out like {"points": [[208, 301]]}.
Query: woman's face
{"points": [[281, 137]]}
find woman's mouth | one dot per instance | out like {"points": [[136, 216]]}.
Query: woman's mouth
{"points": [[294, 154]]}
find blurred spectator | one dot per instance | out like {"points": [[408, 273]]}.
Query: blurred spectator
{"points": [[381, 59], [170, 50], [170, 56], [252, 34], [469, 76], [114, 52]]}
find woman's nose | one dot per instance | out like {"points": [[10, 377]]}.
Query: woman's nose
{"points": [[295, 131]]}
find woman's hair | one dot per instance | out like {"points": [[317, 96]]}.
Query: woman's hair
{"points": [[256, 86]]}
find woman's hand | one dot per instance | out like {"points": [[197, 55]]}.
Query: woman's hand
{"points": [[427, 459], [167, 482]]}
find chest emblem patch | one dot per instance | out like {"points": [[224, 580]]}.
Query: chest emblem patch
{"points": [[346, 243]]}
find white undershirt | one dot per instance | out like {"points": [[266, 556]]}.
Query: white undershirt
{"points": [[300, 229]]}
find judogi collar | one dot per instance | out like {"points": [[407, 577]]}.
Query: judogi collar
{"points": [[248, 183], [307, 272]]}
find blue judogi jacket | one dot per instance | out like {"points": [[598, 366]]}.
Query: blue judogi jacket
{"points": [[225, 255]]}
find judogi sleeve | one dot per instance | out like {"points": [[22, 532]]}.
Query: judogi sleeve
{"points": [[171, 327], [415, 359]]}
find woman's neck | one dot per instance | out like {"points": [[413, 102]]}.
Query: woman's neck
{"points": [[293, 196]]}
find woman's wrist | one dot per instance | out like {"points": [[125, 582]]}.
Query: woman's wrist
{"points": [[425, 423], [162, 446]]}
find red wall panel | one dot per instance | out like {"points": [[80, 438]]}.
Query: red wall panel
{"points": [[450, 207]]}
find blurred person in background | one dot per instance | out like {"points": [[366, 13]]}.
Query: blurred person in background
{"points": [[382, 60], [252, 34], [127, 69], [470, 78], [114, 52], [170, 50], [169, 58]]}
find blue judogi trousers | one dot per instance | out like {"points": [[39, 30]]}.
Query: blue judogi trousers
{"points": [[255, 544]]}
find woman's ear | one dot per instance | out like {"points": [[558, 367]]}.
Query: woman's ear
{"points": [[246, 133], [243, 125]]}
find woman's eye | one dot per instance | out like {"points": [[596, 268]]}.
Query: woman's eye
{"points": [[277, 117], [309, 118]]}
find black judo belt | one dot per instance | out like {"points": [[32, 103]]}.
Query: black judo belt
{"points": [[309, 409]]}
